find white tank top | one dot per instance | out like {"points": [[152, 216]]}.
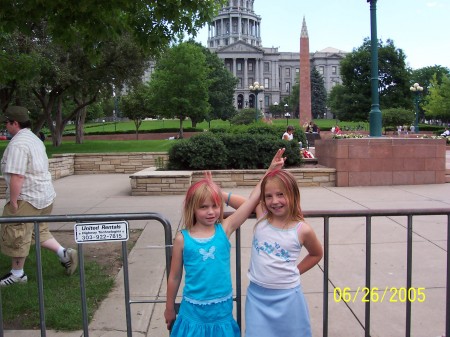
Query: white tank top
{"points": [[274, 256]]}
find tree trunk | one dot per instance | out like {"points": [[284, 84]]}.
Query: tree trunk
{"points": [[137, 124], [6, 94], [59, 125], [79, 125], [181, 128], [80, 116], [37, 125], [47, 101]]}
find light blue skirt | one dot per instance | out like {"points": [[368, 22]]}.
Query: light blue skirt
{"points": [[210, 320], [276, 312]]}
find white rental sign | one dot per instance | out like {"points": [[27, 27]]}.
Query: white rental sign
{"points": [[101, 231]]}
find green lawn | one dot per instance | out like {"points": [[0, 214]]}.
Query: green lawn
{"points": [[104, 146], [99, 146], [110, 127], [61, 295]]}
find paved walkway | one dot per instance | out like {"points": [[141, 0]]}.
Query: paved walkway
{"points": [[97, 194]]}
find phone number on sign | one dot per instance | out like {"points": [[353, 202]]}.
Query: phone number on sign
{"points": [[111, 236], [375, 295]]}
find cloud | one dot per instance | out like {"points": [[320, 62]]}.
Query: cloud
{"points": [[436, 4]]}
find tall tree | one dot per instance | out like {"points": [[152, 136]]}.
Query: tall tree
{"points": [[136, 105], [424, 76], [318, 94], [221, 87], [438, 106], [294, 98], [61, 76], [356, 74], [89, 23], [179, 85], [90, 27], [19, 66]]}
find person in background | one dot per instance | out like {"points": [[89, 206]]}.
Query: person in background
{"points": [[289, 133], [315, 128], [446, 133], [29, 192], [337, 130], [309, 127]]}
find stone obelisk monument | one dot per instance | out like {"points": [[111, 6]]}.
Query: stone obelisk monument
{"points": [[305, 77]]}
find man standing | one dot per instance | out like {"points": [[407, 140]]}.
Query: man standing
{"points": [[29, 192]]}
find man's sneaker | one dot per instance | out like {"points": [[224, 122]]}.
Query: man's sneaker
{"points": [[70, 260], [10, 279]]}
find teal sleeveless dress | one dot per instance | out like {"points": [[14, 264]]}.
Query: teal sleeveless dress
{"points": [[206, 309]]}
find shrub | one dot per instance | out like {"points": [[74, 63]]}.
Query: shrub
{"points": [[203, 151], [231, 151], [245, 116], [242, 149], [273, 131], [396, 116]]}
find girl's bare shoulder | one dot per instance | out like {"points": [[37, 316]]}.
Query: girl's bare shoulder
{"points": [[179, 238], [305, 231]]}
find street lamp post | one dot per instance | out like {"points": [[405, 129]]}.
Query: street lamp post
{"points": [[256, 89], [375, 112], [115, 110], [416, 89], [276, 109], [287, 115]]}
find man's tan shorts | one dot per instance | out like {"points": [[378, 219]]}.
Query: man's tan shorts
{"points": [[16, 238]]}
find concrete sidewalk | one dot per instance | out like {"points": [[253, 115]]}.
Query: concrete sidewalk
{"points": [[98, 194]]}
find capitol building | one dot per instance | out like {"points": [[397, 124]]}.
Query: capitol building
{"points": [[235, 36]]}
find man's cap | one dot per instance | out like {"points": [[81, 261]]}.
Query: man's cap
{"points": [[15, 113]]}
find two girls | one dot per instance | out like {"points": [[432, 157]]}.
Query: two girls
{"points": [[203, 249]]}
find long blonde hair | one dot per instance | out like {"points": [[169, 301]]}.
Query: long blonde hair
{"points": [[287, 183], [196, 195]]}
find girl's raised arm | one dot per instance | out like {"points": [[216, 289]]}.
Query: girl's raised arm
{"points": [[244, 210]]}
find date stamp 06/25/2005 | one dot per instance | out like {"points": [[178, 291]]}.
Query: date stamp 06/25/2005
{"points": [[379, 295]]}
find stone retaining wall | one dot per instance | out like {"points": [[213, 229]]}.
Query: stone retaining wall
{"points": [[105, 163], [146, 180], [63, 165], [153, 182]]}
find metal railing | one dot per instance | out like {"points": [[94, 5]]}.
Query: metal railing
{"points": [[368, 215], [325, 215], [81, 219]]}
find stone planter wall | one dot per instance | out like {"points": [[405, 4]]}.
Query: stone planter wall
{"points": [[152, 182], [384, 161], [105, 163], [63, 165], [146, 180]]}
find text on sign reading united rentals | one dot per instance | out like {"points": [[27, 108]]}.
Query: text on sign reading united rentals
{"points": [[101, 231]]}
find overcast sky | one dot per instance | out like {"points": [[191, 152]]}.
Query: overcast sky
{"points": [[419, 27]]}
